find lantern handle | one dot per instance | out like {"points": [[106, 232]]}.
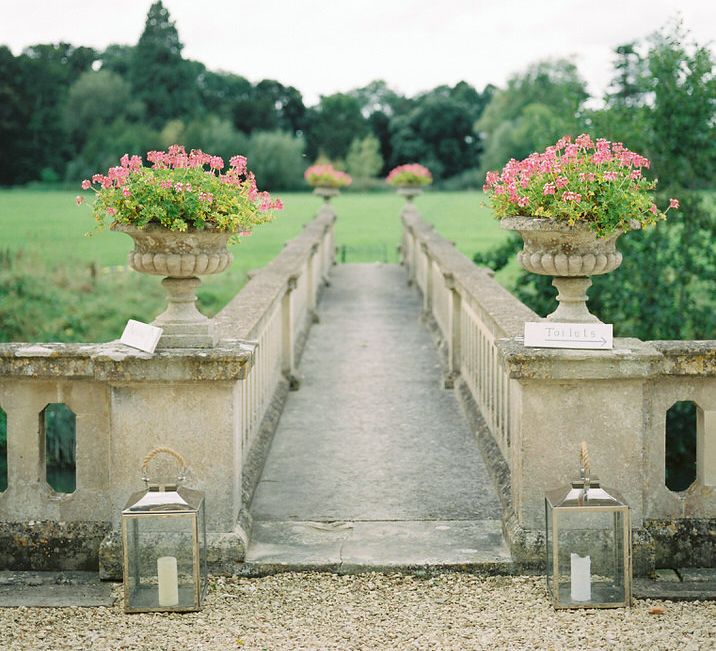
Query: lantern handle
{"points": [[162, 450]]}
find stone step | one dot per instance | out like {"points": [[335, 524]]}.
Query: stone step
{"points": [[53, 590], [352, 547], [683, 584]]}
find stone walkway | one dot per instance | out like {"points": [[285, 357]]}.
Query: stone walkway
{"points": [[373, 465]]}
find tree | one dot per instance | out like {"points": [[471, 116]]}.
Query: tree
{"points": [[97, 98], [630, 82], [14, 116], [537, 127], [214, 135], [364, 160], [683, 118], [556, 84], [437, 132], [537, 107], [160, 77], [277, 160], [47, 71], [118, 59], [332, 126]]}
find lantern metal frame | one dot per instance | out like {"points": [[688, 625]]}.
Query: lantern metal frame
{"points": [[175, 502], [585, 495]]}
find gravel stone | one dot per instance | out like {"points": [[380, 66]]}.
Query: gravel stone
{"points": [[367, 611]]}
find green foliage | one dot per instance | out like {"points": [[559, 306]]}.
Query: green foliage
{"points": [[680, 466], [97, 99], [536, 127], [683, 120], [160, 77], [538, 106], [277, 160], [70, 304], [209, 133], [364, 160], [332, 126], [107, 142], [555, 84], [437, 132]]}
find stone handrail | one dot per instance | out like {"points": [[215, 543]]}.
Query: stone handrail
{"points": [[532, 408], [208, 404]]}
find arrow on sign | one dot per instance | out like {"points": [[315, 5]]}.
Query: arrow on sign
{"points": [[602, 341]]}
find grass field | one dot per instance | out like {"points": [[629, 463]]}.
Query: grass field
{"points": [[42, 234]]}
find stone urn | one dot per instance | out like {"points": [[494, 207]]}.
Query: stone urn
{"points": [[569, 253], [409, 192], [181, 258], [326, 193]]}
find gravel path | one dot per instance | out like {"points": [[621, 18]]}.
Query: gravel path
{"points": [[369, 611]]}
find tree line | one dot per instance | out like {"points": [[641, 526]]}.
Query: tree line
{"points": [[67, 111]]}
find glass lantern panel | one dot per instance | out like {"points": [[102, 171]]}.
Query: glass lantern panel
{"points": [[590, 556], [548, 547], [202, 550], [160, 556]]}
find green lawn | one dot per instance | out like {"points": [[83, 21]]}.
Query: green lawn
{"points": [[50, 223], [64, 301]]}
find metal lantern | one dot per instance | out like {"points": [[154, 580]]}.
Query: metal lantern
{"points": [[588, 544], [164, 538]]}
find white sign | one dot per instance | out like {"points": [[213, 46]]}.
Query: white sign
{"points": [[548, 334], [141, 335]]}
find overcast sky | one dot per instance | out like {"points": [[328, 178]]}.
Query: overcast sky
{"points": [[327, 46]]}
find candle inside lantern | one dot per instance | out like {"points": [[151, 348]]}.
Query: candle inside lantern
{"points": [[168, 581], [581, 569]]}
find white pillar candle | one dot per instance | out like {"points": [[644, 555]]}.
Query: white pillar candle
{"points": [[168, 582], [581, 569]]}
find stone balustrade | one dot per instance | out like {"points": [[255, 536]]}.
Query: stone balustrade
{"points": [[532, 407], [216, 406]]}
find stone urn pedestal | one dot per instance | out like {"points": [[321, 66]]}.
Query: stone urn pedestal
{"points": [[569, 253], [326, 193], [181, 258], [409, 192]]}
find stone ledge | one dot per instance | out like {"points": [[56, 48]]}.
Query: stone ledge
{"points": [[51, 546], [630, 358], [115, 362], [243, 314], [687, 357], [476, 284], [224, 554]]}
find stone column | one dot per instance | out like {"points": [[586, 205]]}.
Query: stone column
{"points": [[311, 285], [288, 356], [428, 293], [454, 328]]}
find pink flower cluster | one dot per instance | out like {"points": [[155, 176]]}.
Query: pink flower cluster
{"points": [[180, 190], [564, 157], [326, 175], [177, 158], [409, 172], [599, 182]]}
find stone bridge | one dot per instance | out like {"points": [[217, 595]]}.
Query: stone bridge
{"points": [[360, 417]]}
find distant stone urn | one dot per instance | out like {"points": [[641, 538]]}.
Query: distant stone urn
{"points": [[326, 193], [569, 253], [181, 258], [409, 192]]}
